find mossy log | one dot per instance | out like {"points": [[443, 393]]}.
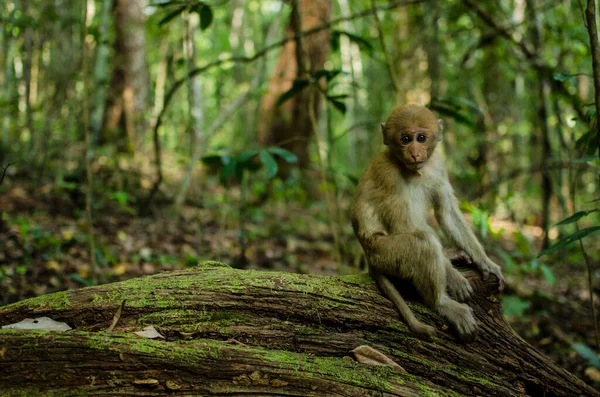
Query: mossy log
{"points": [[234, 332]]}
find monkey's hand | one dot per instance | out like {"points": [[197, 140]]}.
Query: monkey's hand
{"points": [[486, 267]]}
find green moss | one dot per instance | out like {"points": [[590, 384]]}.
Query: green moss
{"points": [[337, 369], [57, 301], [192, 320]]}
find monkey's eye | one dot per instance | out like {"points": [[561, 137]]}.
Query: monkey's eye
{"points": [[421, 138], [405, 139]]}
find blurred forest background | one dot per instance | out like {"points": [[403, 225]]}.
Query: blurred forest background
{"points": [[236, 130]]}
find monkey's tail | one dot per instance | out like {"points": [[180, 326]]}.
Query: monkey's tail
{"points": [[392, 293]]}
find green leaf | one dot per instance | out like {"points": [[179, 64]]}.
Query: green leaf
{"points": [[229, 169], [170, 16], [576, 216], [297, 86], [563, 76], [362, 43], [339, 105], [242, 158], [569, 240], [587, 143], [82, 280], [327, 74], [167, 3], [284, 154], [514, 306], [585, 159], [206, 16], [212, 159], [548, 275], [269, 162], [587, 353], [448, 111]]}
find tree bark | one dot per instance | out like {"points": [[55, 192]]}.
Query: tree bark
{"points": [[289, 125], [235, 332], [128, 90]]}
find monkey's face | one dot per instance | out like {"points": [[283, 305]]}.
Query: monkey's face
{"points": [[412, 146], [411, 133]]}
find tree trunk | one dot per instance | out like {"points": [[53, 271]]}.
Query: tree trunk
{"points": [[235, 332], [128, 91], [289, 125]]}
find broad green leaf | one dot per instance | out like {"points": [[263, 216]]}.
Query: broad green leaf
{"points": [[284, 154], [570, 239], [576, 216], [587, 353], [206, 16], [172, 15], [212, 159], [548, 274], [229, 169], [269, 162], [514, 306], [297, 86], [242, 158]]}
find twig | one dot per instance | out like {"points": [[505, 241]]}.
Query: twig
{"points": [[117, 317], [4, 169]]}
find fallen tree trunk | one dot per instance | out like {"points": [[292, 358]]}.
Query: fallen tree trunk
{"points": [[234, 332]]}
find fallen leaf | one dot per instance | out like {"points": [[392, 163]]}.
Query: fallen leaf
{"points": [[53, 265], [40, 323], [367, 355], [119, 269], [172, 385], [149, 332], [592, 373], [146, 382]]}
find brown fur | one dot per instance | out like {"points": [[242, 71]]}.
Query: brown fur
{"points": [[389, 217]]}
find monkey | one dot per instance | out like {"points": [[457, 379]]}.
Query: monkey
{"points": [[389, 216]]}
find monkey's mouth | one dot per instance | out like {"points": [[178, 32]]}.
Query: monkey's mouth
{"points": [[417, 165]]}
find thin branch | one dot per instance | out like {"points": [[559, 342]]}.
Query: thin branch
{"points": [[4, 169]]}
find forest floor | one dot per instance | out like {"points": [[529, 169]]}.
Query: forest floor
{"points": [[43, 249]]}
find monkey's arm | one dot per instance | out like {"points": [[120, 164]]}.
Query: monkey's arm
{"points": [[456, 228]]}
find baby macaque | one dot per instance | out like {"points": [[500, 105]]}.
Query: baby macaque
{"points": [[389, 217]]}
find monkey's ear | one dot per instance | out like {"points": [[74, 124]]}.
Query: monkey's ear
{"points": [[385, 138]]}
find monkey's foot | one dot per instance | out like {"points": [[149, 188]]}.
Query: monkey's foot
{"points": [[459, 287], [465, 323], [461, 317]]}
